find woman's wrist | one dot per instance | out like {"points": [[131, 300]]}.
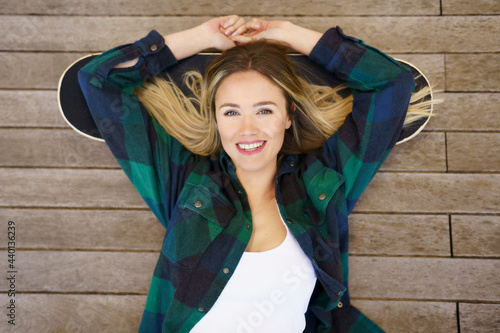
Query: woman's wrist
{"points": [[186, 43], [299, 38]]}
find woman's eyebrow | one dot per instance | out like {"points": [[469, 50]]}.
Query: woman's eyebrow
{"points": [[229, 105], [265, 103], [234, 105]]}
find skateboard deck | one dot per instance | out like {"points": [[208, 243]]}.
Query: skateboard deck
{"points": [[75, 111]]}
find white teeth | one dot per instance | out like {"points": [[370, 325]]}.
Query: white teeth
{"points": [[251, 146]]}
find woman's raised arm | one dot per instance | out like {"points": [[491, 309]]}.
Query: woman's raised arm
{"points": [[214, 33]]}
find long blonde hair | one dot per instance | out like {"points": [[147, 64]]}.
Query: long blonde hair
{"points": [[316, 111]]}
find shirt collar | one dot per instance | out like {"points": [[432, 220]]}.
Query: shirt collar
{"points": [[288, 164], [225, 162]]}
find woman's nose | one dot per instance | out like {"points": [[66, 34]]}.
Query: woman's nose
{"points": [[249, 126]]}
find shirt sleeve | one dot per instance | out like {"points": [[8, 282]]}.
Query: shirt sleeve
{"points": [[381, 89], [149, 156]]}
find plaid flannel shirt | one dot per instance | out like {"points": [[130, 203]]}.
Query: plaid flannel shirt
{"points": [[204, 207]]}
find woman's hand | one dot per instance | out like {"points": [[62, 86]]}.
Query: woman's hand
{"points": [[260, 29], [218, 31], [298, 38], [214, 33]]}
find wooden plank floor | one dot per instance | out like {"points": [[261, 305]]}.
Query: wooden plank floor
{"points": [[425, 235]]}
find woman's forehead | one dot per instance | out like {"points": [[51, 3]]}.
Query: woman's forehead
{"points": [[248, 85]]}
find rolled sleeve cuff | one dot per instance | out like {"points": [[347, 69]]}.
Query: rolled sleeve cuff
{"points": [[154, 56], [159, 55]]}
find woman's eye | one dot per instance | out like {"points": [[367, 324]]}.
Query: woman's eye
{"points": [[230, 113], [265, 111]]}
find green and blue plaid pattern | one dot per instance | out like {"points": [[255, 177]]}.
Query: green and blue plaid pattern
{"points": [[203, 206]]}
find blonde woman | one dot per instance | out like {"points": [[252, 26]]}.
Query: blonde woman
{"points": [[253, 177]]}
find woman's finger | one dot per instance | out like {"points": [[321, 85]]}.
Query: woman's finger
{"points": [[254, 24], [235, 26], [240, 30], [228, 21]]}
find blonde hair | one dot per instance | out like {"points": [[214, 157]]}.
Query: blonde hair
{"points": [[316, 111]]}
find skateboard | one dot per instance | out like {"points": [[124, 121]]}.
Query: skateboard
{"points": [[75, 111]]}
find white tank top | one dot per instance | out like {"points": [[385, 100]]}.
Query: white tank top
{"points": [[268, 292]]}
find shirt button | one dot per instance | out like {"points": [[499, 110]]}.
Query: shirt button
{"points": [[198, 204], [340, 293], [201, 309], [247, 226], [292, 164], [340, 305], [240, 191], [225, 270], [289, 221], [153, 47], [322, 196]]}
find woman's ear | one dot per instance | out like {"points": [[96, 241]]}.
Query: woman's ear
{"points": [[291, 114]]}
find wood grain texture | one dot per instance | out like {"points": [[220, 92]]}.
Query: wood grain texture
{"points": [[83, 188], [466, 7], [420, 34], [467, 112], [432, 193], [410, 235], [30, 108], [84, 271], [75, 313], [425, 152], [53, 148], [424, 278], [479, 318], [476, 236], [223, 7], [436, 34], [410, 317], [81, 229], [473, 72], [432, 65], [473, 151], [33, 70]]}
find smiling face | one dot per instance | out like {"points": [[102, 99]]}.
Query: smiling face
{"points": [[251, 114]]}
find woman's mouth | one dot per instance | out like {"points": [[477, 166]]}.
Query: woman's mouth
{"points": [[251, 147]]}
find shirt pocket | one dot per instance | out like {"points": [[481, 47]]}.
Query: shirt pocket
{"points": [[320, 189], [200, 216]]}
